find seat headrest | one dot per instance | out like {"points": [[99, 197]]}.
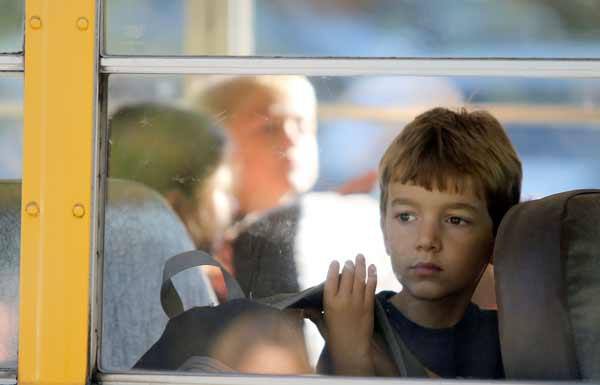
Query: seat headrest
{"points": [[547, 267], [264, 253], [141, 233]]}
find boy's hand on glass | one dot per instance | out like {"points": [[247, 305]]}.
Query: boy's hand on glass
{"points": [[348, 303]]}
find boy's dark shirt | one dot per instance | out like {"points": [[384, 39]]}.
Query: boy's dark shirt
{"points": [[469, 349]]}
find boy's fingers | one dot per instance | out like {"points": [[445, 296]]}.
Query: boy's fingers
{"points": [[371, 286], [359, 276], [331, 283], [347, 278]]}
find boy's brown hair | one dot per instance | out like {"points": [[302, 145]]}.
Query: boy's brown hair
{"points": [[449, 151]]}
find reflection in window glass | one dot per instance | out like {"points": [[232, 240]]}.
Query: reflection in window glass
{"points": [[11, 26], [11, 122], [158, 156], [381, 28], [265, 172], [178, 27]]}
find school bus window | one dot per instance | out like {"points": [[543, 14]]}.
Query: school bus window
{"points": [[11, 26], [380, 28], [11, 121], [263, 173], [180, 27]]}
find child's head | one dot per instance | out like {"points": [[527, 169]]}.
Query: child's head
{"points": [[181, 154], [266, 342], [446, 150], [271, 121], [446, 181]]}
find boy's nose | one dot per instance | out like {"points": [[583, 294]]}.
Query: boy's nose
{"points": [[429, 237]]}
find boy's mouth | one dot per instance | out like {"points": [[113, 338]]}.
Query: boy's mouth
{"points": [[426, 268]]}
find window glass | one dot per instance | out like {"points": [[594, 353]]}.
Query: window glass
{"points": [[11, 26], [150, 190], [11, 126], [11, 130], [274, 176], [350, 28]]}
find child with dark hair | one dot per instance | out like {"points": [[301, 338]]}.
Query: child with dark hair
{"points": [[181, 154], [446, 182]]}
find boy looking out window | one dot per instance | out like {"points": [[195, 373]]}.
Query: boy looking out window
{"points": [[446, 182]]}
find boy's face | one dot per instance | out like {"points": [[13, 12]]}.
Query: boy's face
{"points": [[439, 242]]}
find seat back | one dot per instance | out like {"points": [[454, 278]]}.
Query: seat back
{"points": [[10, 231], [141, 234], [264, 253], [547, 267]]}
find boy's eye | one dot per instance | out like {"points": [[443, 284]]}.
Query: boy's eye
{"points": [[405, 217], [457, 221]]}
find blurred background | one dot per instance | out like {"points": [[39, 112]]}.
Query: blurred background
{"points": [[553, 122]]}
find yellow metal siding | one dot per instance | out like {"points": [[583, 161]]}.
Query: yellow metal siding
{"points": [[60, 70]]}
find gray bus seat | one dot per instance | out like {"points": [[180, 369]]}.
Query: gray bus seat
{"points": [[547, 268], [264, 253], [10, 233], [141, 234]]}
